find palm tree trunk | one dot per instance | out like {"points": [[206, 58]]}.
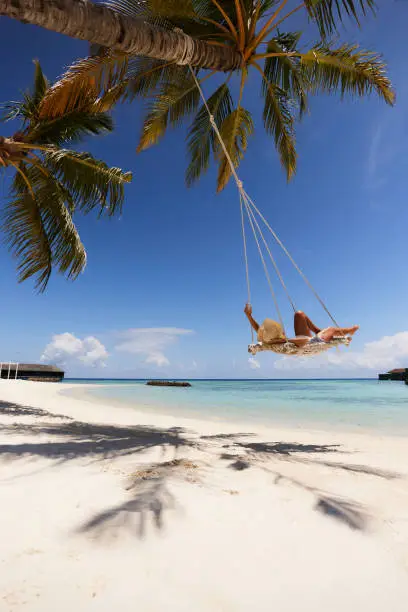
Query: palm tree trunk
{"points": [[98, 24]]}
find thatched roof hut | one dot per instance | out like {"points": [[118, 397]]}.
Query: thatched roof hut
{"points": [[31, 371]]}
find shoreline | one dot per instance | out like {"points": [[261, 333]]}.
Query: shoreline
{"points": [[107, 505], [84, 392]]}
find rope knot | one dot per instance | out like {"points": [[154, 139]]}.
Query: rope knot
{"points": [[188, 50], [240, 185]]}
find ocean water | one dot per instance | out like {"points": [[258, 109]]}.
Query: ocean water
{"points": [[352, 405]]}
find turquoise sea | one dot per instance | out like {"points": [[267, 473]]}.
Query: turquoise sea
{"points": [[357, 405]]}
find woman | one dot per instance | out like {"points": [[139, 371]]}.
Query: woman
{"points": [[272, 333]]}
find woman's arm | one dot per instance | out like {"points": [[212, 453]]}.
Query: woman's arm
{"points": [[248, 312]]}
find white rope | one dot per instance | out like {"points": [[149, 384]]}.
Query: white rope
{"points": [[249, 202], [245, 250], [221, 141], [285, 250], [246, 259], [275, 301], [275, 265]]}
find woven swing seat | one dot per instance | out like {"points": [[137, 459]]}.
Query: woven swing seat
{"points": [[288, 348]]}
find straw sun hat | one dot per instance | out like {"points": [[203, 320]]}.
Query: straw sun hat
{"points": [[270, 331]]}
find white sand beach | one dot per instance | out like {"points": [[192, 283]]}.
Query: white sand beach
{"points": [[104, 508]]}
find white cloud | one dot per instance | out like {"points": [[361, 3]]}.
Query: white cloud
{"points": [[253, 363], [66, 347], [150, 342], [380, 355], [158, 359]]}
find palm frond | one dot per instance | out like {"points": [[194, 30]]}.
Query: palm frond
{"points": [[131, 8], [174, 102], [192, 16], [26, 109], [70, 128], [145, 75], [347, 69], [39, 230], [25, 234], [90, 182], [11, 110], [201, 137], [51, 183], [234, 130], [171, 8], [328, 13], [266, 5], [166, 14], [284, 70], [82, 85], [279, 121], [41, 83]]}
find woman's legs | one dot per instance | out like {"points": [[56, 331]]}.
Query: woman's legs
{"points": [[331, 332], [303, 325]]}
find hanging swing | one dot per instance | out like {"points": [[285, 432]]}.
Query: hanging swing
{"points": [[255, 217]]}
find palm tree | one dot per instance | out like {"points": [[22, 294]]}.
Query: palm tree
{"points": [[252, 29], [51, 183], [100, 23], [97, 23]]}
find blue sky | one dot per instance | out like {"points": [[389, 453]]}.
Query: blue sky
{"points": [[164, 289]]}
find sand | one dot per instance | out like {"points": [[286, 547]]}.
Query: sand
{"points": [[107, 508]]}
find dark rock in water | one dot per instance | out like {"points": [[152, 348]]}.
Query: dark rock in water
{"points": [[167, 383]]}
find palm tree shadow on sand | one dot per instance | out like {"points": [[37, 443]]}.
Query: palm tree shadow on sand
{"points": [[150, 496], [149, 493], [150, 499], [348, 512], [75, 439]]}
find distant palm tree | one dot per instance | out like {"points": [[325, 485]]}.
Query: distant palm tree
{"points": [[251, 29], [51, 183]]}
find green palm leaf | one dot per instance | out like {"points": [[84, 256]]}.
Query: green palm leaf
{"points": [[326, 13], [90, 182], [51, 183], [169, 14], [71, 127], [174, 102], [27, 108], [145, 75], [266, 5], [172, 8], [11, 110], [167, 10], [346, 69], [40, 231], [25, 234], [279, 121], [41, 84], [234, 130], [284, 70], [201, 138]]}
